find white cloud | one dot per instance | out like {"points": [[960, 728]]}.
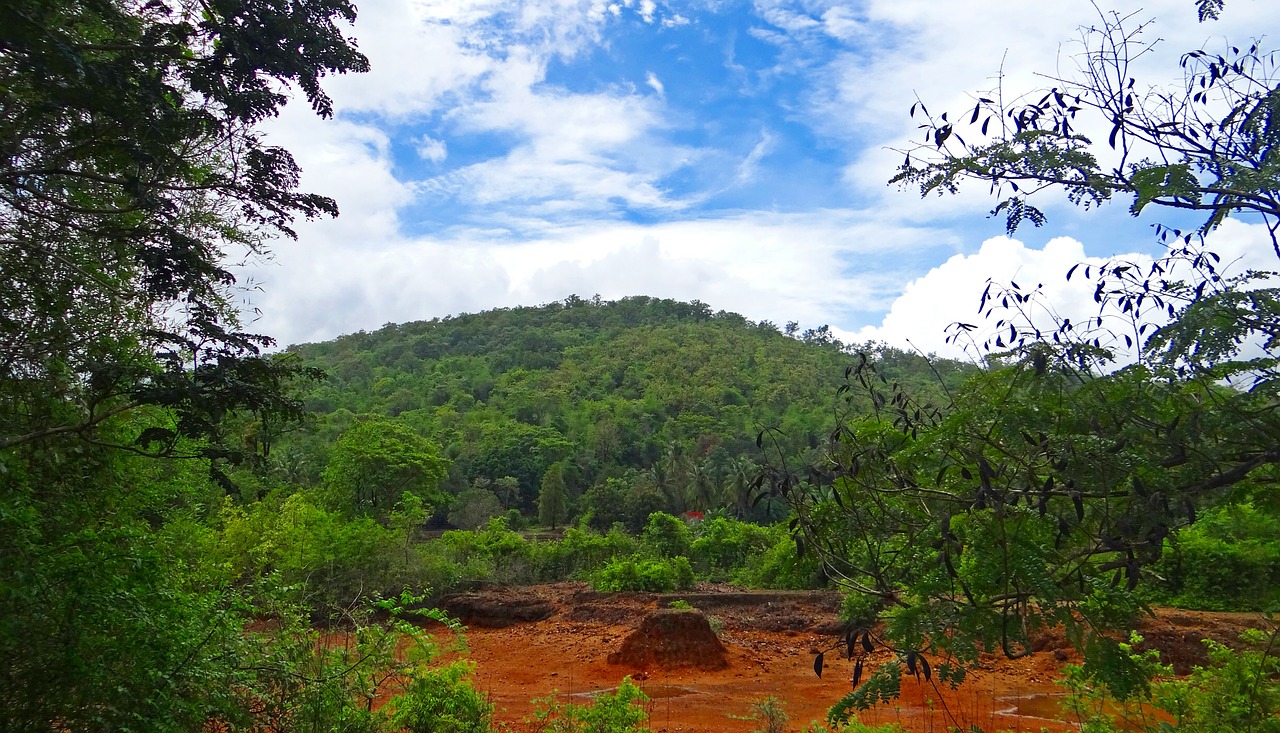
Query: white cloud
{"points": [[950, 292], [749, 168], [765, 266], [574, 151], [654, 83], [479, 68], [431, 149]]}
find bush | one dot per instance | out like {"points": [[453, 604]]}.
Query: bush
{"points": [[335, 560], [499, 553], [1229, 560], [441, 701], [666, 535], [620, 712], [580, 553], [780, 567], [1238, 692], [724, 545], [641, 574], [768, 712]]}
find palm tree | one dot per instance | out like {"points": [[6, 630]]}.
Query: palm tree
{"points": [[742, 472]]}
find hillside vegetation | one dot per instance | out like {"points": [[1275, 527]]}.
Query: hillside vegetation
{"points": [[640, 395]]}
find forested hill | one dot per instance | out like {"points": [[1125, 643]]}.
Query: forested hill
{"points": [[666, 390]]}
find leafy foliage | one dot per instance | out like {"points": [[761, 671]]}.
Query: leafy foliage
{"points": [[1236, 692], [1205, 146], [649, 405], [644, 574], [376, 461], [115, 243], [1229, 560], [619, 712], [1047, 489]]}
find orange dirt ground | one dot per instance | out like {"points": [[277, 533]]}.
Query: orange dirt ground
{"points": [[770, 638]]}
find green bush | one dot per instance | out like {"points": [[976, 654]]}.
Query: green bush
{"points": [[781, 568], [644, 574], [1227, 561], [581, 553], [666, 536], [723, 545], [501, 554], [333, 559], [621, 712], [1239, 692], [440, 700]]}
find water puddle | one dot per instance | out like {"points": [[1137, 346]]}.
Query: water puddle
{"points": [[1049, 706], [1041, 706]]}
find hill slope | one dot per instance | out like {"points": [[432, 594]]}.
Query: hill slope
{"points": [[613, 390]]}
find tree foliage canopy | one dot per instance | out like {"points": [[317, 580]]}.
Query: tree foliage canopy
{"points": [[130, 174], [1048, 488], [131, 177]]}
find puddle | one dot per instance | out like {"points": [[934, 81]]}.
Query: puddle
{"points": [[1048, 706], [1041, 706]]}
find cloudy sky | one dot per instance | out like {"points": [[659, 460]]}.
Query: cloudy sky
{"points": [[514, 152]]}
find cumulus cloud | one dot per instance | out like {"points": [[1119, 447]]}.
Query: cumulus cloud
{"points": [[826, 267], [431, 149], [950, 292], [540, 215]]}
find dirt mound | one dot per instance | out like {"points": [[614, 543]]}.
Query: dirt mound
{"points": [[496, 610], [671, 638]]}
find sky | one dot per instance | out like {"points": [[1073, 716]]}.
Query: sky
{"points": [[515, 152]]}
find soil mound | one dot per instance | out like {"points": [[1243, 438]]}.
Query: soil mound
{"points": [[671, 638], [496, 610]]}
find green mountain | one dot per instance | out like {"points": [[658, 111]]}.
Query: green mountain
{"points": [[670, 394]]}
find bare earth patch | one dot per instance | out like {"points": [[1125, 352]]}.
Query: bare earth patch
{"points": [[768, 640]]}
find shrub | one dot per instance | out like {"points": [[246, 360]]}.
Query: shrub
{"points": [[1238, 692], [440, 700], [780, 567], [644, 574], [621, 712], [666, 536], [723, 545], [499, 553], [1229, 560], [580, 553], [768, 711], [335, 560]]}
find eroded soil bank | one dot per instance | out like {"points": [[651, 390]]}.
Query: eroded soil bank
{"points": [[534, 642]]}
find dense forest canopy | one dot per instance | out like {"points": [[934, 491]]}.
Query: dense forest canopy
{"points": [[671, 391]]}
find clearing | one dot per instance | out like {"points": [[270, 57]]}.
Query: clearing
{"points": [[531, 642]]}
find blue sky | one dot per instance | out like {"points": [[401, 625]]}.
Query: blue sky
{"points": [[515, 152]]}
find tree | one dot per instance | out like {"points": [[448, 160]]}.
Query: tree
{"points": [[1043, 491], [115, 243], [474, 508], [553, 497], [376, 461], [1206, 145], [130, 176]]}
